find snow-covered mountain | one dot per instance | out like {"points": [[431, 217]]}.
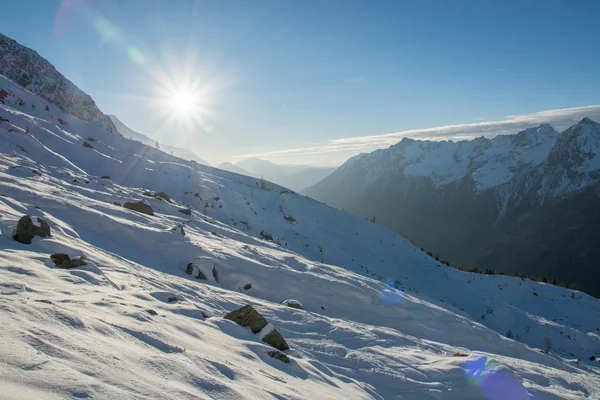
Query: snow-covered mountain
{"points": [[471, 201], [140, 137], [381, 319], [36, 74], [295, 177]]}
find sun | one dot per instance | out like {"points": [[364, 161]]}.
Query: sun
{"points": [[183, 101]]}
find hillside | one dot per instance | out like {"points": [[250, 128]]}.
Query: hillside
{"points": [[140, 137], [515, 203], [35, 73], [382, 320]]}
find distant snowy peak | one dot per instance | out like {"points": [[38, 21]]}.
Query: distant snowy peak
{"points": [[33, 72], [489, 162]]}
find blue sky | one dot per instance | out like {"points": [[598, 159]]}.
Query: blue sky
{"points": [[277, 77]]}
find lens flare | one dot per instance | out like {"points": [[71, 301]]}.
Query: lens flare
{"points": [[393, 294], [495, 382]]}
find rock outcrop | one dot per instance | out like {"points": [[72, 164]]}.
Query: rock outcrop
{"points": [[247, 316], [26, 229], [139, 206]]}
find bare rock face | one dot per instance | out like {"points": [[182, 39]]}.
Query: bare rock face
{"points": [[140, 207], [62, 260], [249, 317], [26, 229]]}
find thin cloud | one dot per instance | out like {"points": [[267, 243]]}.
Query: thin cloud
{"points": [[560, 119]]}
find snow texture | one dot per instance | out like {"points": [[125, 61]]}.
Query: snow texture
{"points": [[382, 320]]}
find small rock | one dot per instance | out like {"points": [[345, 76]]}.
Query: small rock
{"points": [[151, 312], [163, 196], [279, 356], [191, 267], [86, 144], [293, 304], [63, 260], [116, 203], [172, 299], [91, 139], [593, 358], [247, 286], [322, 307], [105, 177], [215, 274], [185, 211], [139, 206]]}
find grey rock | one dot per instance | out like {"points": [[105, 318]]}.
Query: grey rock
{"points": [[26, 229], [139, 206], [249, 317]]}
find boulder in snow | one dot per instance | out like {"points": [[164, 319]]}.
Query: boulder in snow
{"points": [[139, 206], [293, 303], [249, 317], [26, 229], [105, 177], [62, 260], [185, 211], [163, 196], [86, 144]]}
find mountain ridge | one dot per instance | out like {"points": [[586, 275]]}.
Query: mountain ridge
{"points": [[461, 202]]}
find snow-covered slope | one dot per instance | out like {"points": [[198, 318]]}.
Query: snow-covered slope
{"points": [[35, 73], [382, 320], [176, 151]]}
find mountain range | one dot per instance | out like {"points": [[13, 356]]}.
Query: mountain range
{"points": [[295, 177], [127, 272], [520, 204]]}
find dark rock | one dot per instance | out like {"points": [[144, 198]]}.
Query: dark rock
{"points": [[86, 144], [139, 206], [293, 304], [185, 211], [26, 229], [247, 286], [275, 339], [105, 177], [279, 356], [248, 316], [62, 260], [163, 196], [593, 358], [151, 312], [215, 274], [116, 203], [91, 139], [172, 299], [189, 269]]}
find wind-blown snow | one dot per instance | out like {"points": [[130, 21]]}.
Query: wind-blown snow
{"points": [[382, 320]]}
